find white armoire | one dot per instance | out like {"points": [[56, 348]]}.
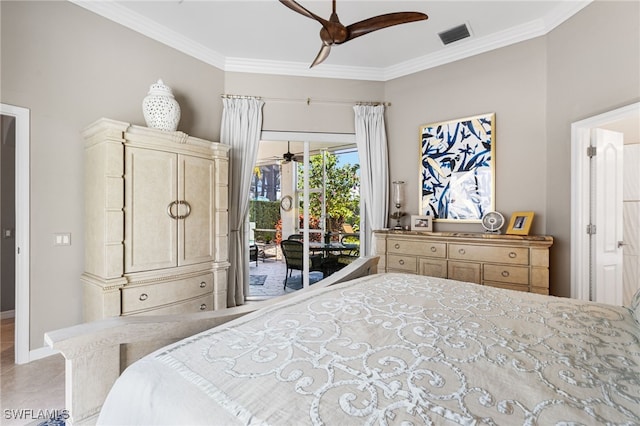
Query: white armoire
{"points": [[156, 222]]}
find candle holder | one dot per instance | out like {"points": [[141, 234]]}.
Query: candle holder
{"points": [[398, 201]]}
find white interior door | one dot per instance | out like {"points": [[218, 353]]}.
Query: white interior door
{"points": [[607, 210]]}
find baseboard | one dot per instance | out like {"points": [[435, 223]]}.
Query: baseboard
{"points": [[8, 314], [40, 353]]}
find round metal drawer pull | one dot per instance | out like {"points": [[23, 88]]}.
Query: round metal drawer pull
{"points": [[203, 284], [397, 246], [401, 261], [433, 249], [203, 307], [512, 255], [505, 273], [143, 297], [461, 251]]}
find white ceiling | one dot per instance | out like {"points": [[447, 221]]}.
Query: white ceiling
{"points": [[264, 36]]}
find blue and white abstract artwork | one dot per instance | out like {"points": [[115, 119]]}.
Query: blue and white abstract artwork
{"points": [[457, 158]]}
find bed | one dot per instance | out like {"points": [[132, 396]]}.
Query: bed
{"points": [[396, 349]]}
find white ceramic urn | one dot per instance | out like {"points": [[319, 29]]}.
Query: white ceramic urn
{"points": [[160, 109]]}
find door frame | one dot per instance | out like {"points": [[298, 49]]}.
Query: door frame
{"points": [[22, 281], [581, 280]]}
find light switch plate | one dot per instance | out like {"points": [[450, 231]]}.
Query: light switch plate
{"points": [[62, 239]]}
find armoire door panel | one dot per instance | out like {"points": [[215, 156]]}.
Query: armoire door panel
{"points": [[150, 190], [196, 232]]}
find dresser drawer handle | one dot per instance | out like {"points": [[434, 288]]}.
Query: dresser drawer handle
{"points": [[513, 255], [461, 251], [203, 284], [433, 249], [401, 261], [397, 246], [505, 274], [143, 297], [203, 307]]}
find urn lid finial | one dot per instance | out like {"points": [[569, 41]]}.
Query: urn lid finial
{"points": [[159, 88]]}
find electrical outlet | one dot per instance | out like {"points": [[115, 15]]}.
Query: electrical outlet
{"points": [[62, 239]]}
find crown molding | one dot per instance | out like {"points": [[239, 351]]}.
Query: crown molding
{"points": [[300, 69], [460, 50]]}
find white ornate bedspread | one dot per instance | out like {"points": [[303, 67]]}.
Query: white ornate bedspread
{"points": [[396, 349]]}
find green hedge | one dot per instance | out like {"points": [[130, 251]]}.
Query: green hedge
{"points": [[266, 215]]}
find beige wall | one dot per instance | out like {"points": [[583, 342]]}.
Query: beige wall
{"points": [[331, 101], [593, 66], [509, 82], [71, 67]]}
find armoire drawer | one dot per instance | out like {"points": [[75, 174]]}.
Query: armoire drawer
{"points": [[418, 248], [495, 254], [402, 263], [199, 304], [137, 298], [506, 274]]}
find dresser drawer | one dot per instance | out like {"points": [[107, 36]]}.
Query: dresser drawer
{"points": [[143, 297], [402, 263], [506, 274], [199, 304], [496, 254], [417, 248]]}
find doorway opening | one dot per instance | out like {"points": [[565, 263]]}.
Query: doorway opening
{"points": [[17, 119], [278, 211], [589, 209]]}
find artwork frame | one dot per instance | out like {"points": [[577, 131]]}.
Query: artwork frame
{"points": [[520, 223], [421, 223], [457, 168]]}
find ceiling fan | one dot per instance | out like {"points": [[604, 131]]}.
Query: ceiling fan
{"points": [[288, 156], [333, 32]]}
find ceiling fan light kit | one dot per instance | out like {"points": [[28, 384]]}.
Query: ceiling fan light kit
{"points": [[334, 32]]}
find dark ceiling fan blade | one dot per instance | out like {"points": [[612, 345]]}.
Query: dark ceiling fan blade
{"points": [[383, 21], [291, 4], [333, 32], [322, 55]]}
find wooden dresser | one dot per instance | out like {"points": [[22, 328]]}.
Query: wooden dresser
{"points": [[507, 261], [156, 222]]}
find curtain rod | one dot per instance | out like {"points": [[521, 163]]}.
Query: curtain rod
{"points": [[226, 96], [308, 101]]}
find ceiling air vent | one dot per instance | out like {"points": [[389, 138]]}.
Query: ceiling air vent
{"points": [[454, 34]]}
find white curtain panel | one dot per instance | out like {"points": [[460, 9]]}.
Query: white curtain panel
{"points": [[371, 139], [241, 127]]}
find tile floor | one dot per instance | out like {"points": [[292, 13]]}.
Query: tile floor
{"points": [[38, 385], [274, 268]]}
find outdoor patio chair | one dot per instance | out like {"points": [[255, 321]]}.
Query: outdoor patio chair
{"points": [[253, 253], [293, 255]]}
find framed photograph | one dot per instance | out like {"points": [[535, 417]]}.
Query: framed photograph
{"points": [[520, 223], [457, 168], [421, 223]]}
